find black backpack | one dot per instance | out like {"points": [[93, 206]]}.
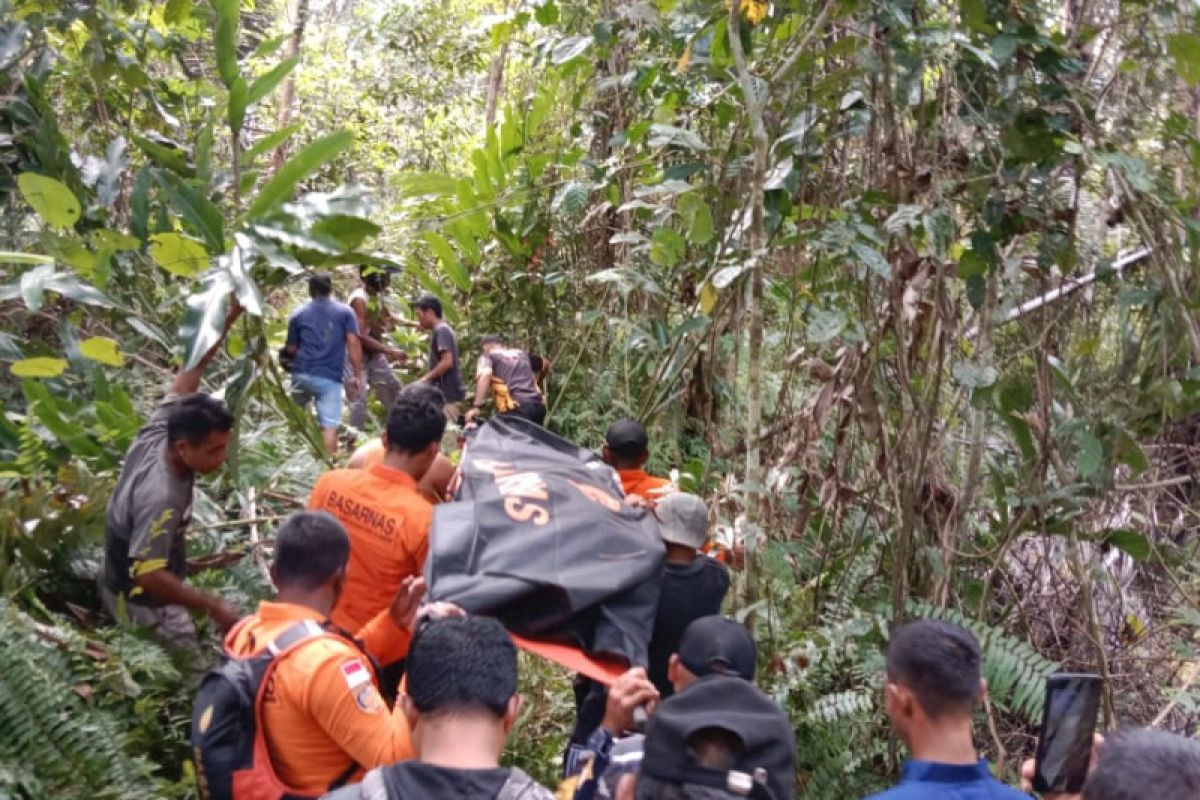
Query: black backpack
{"points": [[228, 745]]}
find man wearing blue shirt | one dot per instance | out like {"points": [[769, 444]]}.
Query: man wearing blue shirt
{"points": [[320, 333], [934, 681]]}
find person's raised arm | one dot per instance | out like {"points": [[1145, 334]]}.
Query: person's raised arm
{"points": [[187, 381]]}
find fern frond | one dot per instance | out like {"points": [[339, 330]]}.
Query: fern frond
{"points": [[834, 707], [49, 734]]}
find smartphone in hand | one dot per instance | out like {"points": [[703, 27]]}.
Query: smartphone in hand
{"points": [[1068, 725]]}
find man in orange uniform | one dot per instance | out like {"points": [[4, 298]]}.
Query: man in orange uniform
{"points": [[323, 717], [626, 449], [385, 515], [434, 484]]}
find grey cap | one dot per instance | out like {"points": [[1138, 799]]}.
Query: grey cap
{"points": [[683, 519]]}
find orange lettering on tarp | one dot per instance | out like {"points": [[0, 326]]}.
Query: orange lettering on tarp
{"points": [[598, 496], [522, 511]]}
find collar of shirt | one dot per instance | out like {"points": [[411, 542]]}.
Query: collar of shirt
{"points": [[271, 612], [394, 475], [935, 772]]}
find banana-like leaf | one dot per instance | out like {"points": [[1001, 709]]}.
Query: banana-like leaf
{"points": [[204, 321], [298, 167]]}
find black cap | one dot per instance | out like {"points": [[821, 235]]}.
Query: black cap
{"points": [[717, 645], [429, 301], [627, 438], [765, 767], [491, 338]]}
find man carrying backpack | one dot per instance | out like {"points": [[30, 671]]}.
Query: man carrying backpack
{"points": [[319, 718]]}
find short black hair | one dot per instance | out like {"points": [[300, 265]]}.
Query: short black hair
{"points": [[195, 416], [311, 547], [466, 664], [430, 302], [536, 363], [320, 284], [427, 391], [1139, 763], [940, 662], [491, 338], [415, 421]]}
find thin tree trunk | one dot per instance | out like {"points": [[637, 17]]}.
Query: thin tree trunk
{"points": [[755, 101], [495, 86], [288, 95]]}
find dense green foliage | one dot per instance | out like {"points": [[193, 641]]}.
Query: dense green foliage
{"points": [[906, 288]]}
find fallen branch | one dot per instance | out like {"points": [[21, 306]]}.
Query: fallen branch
{"points": [[237, 523], [257, 552], [1120, 265]]}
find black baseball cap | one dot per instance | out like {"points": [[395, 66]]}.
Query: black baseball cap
{"points": [[764, 763], [627, 438], [430, 302], [717, 645]]}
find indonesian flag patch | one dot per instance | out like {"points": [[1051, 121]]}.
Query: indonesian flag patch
{"points": [[355, 673]]}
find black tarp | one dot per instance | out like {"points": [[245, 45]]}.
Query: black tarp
{"points": [[541, 539]]}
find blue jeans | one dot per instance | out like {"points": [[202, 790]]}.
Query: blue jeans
{"points": [[326, 393]]}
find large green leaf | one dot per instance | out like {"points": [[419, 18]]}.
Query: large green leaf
{"points": [[201, 215], [1185, 49], [102, 350], [825, 325], [661, 135], [244, 287], [51, 199], [39, 280], [451, 264], [164, 155], [281, 185], [347, 230], [178, 254], [1132, 542], [270, 142], [1089, 457], [872, 259], [40, 367], [238, 101], [46, 408], [698, 216], [667, 247], [204, 320], [225, 39], [973, 375], [264, 84]]}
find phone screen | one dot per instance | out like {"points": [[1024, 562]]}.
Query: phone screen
{"points": [[1068, 725]]}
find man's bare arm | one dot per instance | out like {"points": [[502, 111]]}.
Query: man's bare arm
{"points": [[444, 365], [167, 587]]}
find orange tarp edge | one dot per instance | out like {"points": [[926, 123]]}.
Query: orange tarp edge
{"points": [[598, 669]]}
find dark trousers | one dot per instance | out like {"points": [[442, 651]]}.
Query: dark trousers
{"points": [[534, 412]]}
